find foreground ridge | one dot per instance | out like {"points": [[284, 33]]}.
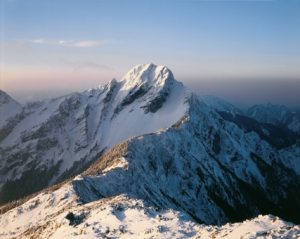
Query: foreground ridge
{"points": [[58, 215]]}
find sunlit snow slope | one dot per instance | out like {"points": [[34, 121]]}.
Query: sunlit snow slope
{"points": [[47, 141]]}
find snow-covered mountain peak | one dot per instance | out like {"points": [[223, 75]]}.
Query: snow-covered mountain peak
{"points": [[146, 87], [147, 74], [68, 132]]}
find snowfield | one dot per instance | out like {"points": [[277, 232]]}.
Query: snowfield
{"points": [[59, 215]]}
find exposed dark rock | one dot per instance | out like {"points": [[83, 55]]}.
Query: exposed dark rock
{"points": [[75, 220], [155, 104], [216, 147], [133, 95], [30, 181]]}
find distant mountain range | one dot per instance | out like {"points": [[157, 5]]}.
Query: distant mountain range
{"points": [[276, 114], [151, 139]]}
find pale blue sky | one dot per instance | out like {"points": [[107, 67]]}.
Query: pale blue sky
{"points": [[77, 44]]}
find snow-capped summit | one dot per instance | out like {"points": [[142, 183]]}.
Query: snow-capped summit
{"points": [[149, 74], [147, 83]]}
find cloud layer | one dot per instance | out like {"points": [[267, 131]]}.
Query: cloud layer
{"points": [[68, 43]]}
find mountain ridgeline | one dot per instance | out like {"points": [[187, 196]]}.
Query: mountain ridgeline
{"points": [[45, 142], [150, 138]]}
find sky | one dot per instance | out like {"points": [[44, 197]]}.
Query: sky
{"points": [[241, 50]]}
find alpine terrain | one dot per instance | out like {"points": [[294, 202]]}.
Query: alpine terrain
{"points": [[45, 142], [151, 159]]}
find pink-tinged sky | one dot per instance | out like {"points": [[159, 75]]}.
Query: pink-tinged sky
{"points": [[235, 49]]}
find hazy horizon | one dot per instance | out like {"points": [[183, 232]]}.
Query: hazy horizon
{"points": [[284, 92]]}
